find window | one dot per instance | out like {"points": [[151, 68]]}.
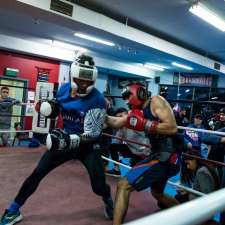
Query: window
{"points": [[201, 94]]}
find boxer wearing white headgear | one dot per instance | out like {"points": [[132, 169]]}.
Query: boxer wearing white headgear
{"points": [[83, 111], [83, 70]]}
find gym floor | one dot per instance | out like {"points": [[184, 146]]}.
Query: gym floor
{"points": [[64, 196]]}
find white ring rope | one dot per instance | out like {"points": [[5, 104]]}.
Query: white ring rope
{"points": [[128, 167], [191, 213], [15, 131], [179, 127], [202, 130], [169, 182]]}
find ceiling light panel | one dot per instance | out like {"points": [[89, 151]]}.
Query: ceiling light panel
{"points": [[207, 15], [182, 66], [154, 67], [91, 38]]}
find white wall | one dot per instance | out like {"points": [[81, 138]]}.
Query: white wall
{"points": [[64, 70], [101, 82], [165, 78]]}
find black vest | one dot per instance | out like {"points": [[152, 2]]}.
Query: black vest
{"points": [[162, 145]]}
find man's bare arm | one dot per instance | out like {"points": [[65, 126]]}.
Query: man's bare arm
{"points": [[116, 122], [162, 110]]}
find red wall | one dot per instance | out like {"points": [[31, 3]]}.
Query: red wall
{"points": [[27, 67]]}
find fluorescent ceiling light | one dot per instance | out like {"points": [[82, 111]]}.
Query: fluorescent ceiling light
{"points": [[207, 15], [214, 97], [188, 90], [154, 67], [182, 66], [68, 46], [87, 37]]}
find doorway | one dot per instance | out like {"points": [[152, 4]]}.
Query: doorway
{"points": [[17, 90]]}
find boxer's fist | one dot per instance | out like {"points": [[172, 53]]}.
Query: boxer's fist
{"points": [[59, 140], [136, 121], [50, 108]]}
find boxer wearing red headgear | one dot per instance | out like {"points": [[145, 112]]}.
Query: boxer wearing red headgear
{"points": [[136, 95], [156, 118]]}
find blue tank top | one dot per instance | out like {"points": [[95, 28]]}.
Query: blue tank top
{"points": [[73, 110], [162, 145]]}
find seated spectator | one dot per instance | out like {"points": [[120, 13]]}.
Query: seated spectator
{"points": [[19, 135], [6, 104], [126, 149], [201, 177], [217, 153]]}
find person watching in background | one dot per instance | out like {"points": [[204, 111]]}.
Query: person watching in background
{"points": [[201, 177], [6, 109], [192, 139]]}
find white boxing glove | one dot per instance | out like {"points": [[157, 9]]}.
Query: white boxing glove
{"points": [[50, 109]]}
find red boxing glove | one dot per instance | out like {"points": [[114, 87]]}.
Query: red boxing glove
{"points": [[136, 121]]}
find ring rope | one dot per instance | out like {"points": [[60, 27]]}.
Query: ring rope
{"points": [[134, 142], [202, 130], [15, 131], [127, 140], [168, 182], [118, 163], [178, 127], [193, 212], [185, 154], [217, 163]]}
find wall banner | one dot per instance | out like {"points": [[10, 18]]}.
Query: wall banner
{"points": [[195, 79]]}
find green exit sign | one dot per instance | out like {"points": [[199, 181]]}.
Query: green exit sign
{"points": [[11, 72]]}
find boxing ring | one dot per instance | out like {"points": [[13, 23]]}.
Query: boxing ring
{"points": [[65, 195]]}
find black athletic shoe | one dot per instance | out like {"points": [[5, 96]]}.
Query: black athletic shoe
{"points": [[10, 218], [108, 210], [113, 173]]}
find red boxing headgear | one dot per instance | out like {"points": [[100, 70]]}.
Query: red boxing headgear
{"points": [[136, 94]]}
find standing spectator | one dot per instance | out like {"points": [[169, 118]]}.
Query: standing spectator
{"points": [[221, 122], [6, 104], [181, 117], [193, 139]]}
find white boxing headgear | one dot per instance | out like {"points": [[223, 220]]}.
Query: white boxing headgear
{"points": [[84, 69]]}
